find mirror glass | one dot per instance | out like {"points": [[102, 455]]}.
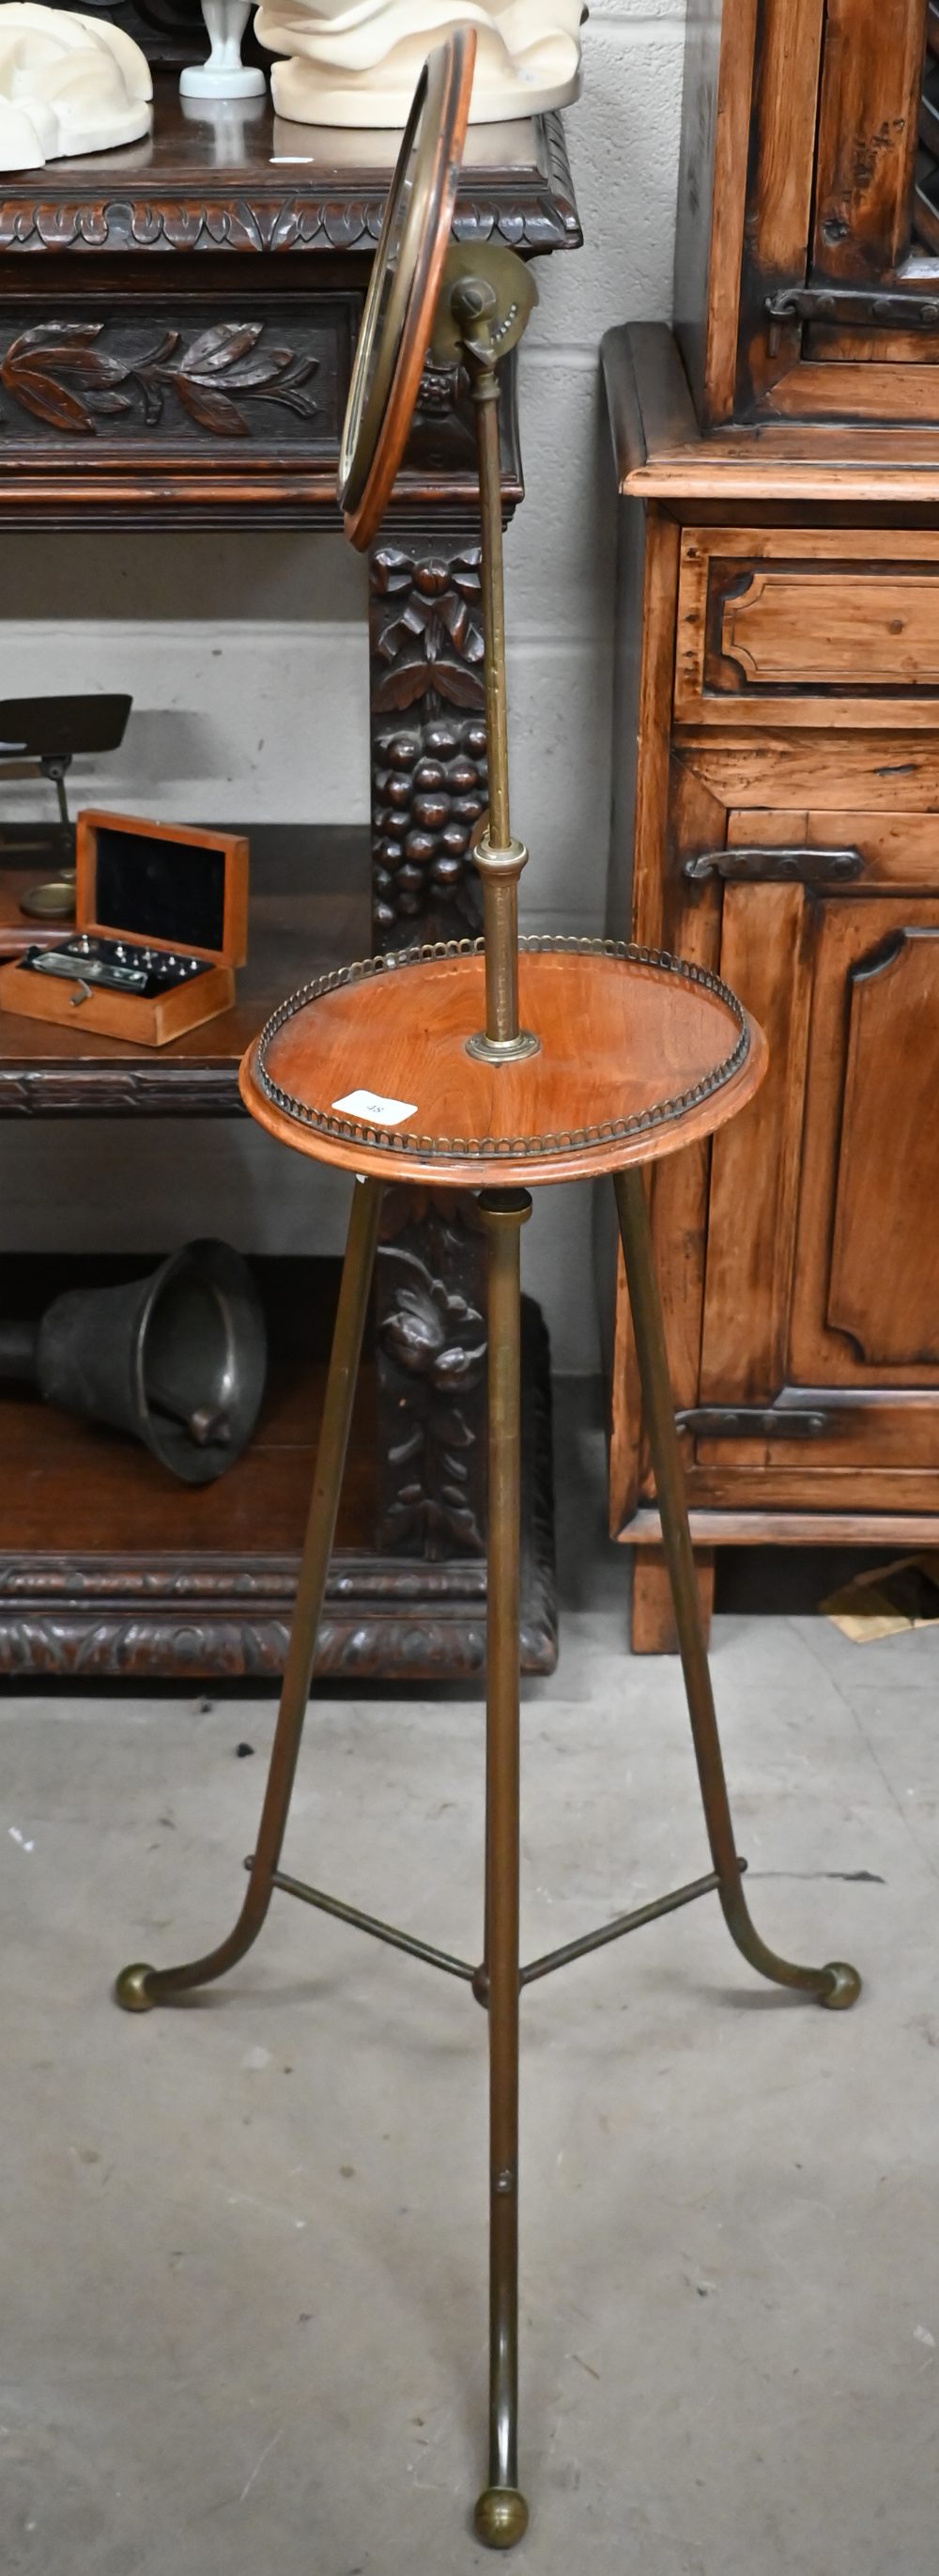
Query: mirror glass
{"points": [[400, 304], [383, 318]]}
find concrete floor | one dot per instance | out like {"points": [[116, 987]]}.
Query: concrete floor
{"points": [[243, 2306]]}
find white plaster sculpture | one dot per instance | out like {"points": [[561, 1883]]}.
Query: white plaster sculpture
{"points": [[224, 75], [356, 62], [67, 84]]}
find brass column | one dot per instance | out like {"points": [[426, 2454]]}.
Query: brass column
{"points": [[501, 2512], [499, 858]]}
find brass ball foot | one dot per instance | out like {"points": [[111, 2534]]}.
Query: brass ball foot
{"points": [[131, 1989], [845, 1987], [501, 2517]]}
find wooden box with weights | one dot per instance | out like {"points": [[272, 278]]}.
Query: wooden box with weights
{"points": [[160, 926]]}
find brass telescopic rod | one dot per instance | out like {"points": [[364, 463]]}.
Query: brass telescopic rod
{"points": [[485, 387], [501, 2511], [499, 858]]}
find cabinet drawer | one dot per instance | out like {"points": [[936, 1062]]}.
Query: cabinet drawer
{"points": [[798, 627]]}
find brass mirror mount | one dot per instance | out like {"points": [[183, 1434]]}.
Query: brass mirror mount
{"points": [[486, 297]]}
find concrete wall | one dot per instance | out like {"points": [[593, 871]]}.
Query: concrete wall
{"points": [[246, 658]]}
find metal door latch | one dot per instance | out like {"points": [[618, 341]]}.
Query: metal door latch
{"points": [[757, 865], [754, 1422], [857, 307]]}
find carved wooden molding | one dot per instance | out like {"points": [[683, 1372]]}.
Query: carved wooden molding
{"points": [[104, 1088], [399, 1617], [528, 210]]}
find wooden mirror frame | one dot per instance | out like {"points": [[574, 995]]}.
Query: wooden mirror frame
{"points": [[395, 335]]}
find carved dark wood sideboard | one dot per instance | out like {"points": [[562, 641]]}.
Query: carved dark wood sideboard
{"points": [[176, 329], [777, 459]]}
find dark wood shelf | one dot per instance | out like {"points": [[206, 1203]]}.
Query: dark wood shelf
{"points": [[196, 1582], [291, 188], [309, 911], [177, 327]]}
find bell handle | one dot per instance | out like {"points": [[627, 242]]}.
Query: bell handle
{"points": [[18, 1347]]}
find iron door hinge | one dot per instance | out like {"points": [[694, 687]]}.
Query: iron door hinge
{"points": [[765, 866], [855, 307], [753, 1422]]}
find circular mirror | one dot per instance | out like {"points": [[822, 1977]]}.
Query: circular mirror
{"points": [[401, 302]]}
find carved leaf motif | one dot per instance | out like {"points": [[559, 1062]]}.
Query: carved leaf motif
{"points": [[88, 363], [466, 575], [43, 335], [156, 358], [112, 402], [48, 401], [402, 687], [460, 687], [456, 1367], [392, 571], [212, 410], [221, 347], [461, 1523], [409, 681], [255, 371], [415, 1333]]}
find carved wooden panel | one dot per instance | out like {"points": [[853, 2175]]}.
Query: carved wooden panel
{"points": [[835, 627], [832, 629], [791, 1234], [872, 68], [431, 1341], [888, 1157], [926, 190], [429, 774], [864, 1277], [755, 1162], [145, 371]]}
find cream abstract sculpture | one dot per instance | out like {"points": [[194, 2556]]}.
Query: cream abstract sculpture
{"points": [[67, 84], [355, 62]]}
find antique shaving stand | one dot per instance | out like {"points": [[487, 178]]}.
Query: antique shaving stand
{"points": [[629, 1055]]}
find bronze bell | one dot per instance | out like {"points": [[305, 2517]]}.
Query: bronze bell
{"points": [[178, 1359]]}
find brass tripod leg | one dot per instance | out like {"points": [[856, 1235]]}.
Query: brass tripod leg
{"points": [[501, 2512], [139, 1986], [836, 1985]]}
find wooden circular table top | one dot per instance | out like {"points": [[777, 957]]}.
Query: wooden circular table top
{"points": [[369, 1069]]}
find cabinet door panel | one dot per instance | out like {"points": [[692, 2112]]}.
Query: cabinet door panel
{"points": [[866, 1304], [889, 1156], [822, 1273], [753, 1200], [872, 68]]}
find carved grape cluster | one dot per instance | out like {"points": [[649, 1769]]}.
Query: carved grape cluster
{"points": [[430, 793]]}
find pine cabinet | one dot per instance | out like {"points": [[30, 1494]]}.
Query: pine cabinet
{"points": [[777, 773]]}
